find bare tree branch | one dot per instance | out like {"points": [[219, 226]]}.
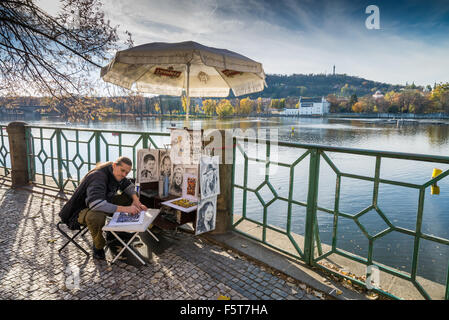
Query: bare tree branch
{"points": [[44, 55]]}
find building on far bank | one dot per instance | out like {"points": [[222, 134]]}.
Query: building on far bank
{"points": [[378, 95], [313, 106], [289, 112]]}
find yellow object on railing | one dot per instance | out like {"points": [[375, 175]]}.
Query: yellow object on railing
{"points": [[434, 189]]}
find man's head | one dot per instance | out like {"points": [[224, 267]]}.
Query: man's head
{"points": [[121, 167], [209, 173], [177, 177], [166, 166], [149, 162]]}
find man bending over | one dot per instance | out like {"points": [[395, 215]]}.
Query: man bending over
{"points": [[96, 197]]}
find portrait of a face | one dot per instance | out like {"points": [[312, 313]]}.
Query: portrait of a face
{"points": [[206, 215], [148, 165], [166, 164], [209, 179], [176, 181]]}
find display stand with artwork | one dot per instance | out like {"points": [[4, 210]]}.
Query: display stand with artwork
{"points": [[210, 189], [188, 201], [190, 178]]}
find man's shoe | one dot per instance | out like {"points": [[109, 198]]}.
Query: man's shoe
{"points": [[98, 253]]}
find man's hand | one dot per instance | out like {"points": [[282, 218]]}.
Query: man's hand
{"points": [[138, 204], [132, 209]]}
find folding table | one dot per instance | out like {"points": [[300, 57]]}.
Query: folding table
{"points": [[150, 215]]}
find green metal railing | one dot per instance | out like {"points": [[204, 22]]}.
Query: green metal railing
{"points": [[60, 157], [4, 152], [312, 250]]}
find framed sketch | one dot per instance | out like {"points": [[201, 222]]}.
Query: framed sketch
{"points": [[176, 180], [147, 165], [190, 187], [165, 164], [180, 147], [206, 215], [186, 146], [191, 169], [209, 176], [196, 146]]}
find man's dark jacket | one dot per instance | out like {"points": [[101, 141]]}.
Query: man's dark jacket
{"points": [[103, 186]]}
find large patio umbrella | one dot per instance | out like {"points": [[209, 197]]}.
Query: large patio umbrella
{"points": [[171, 68]]}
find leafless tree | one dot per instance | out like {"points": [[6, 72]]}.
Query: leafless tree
{"points": [[47, 55]]}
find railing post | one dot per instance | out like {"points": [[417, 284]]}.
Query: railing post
{"points": [[97, 147], [312, 197], [18, 152], [224, 199], [59, 153]]}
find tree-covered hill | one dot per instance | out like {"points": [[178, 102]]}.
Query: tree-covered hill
{"points": [[282, 86]]}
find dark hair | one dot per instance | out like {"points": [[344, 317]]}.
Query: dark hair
{"points": [[165, 158], [148, 157], [101, 165], [203, 213], [124, 160]]}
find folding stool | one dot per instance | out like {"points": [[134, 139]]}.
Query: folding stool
{"points": [[82, 231]]}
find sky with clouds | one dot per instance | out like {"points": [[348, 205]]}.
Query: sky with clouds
{"points": [[303, 36]]}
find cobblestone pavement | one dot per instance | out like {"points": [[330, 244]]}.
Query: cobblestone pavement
{"points": [[191, 268]]}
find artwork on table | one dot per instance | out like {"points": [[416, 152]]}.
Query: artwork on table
{"points": [[209, 176], [147, 165], [123, 218], [182, 204], [176, 181], [190, 187], [206, 215]]}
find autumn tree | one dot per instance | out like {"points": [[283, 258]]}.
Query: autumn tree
{"points": [[275, 104], [353, 99], [157, 107], [259, 107], [440, 97], [209, 106], [359, 106], [246, 106], [332, 99], [224, 108]]}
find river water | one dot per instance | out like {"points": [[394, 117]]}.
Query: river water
{"points": [[399, 204]]}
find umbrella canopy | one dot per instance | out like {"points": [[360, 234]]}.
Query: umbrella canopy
{"points": [[171, 68]]}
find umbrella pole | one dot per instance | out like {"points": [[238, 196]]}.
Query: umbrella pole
{"points": [[188, 92]]}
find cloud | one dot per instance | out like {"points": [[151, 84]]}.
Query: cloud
{"points": [[303, 36]]}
